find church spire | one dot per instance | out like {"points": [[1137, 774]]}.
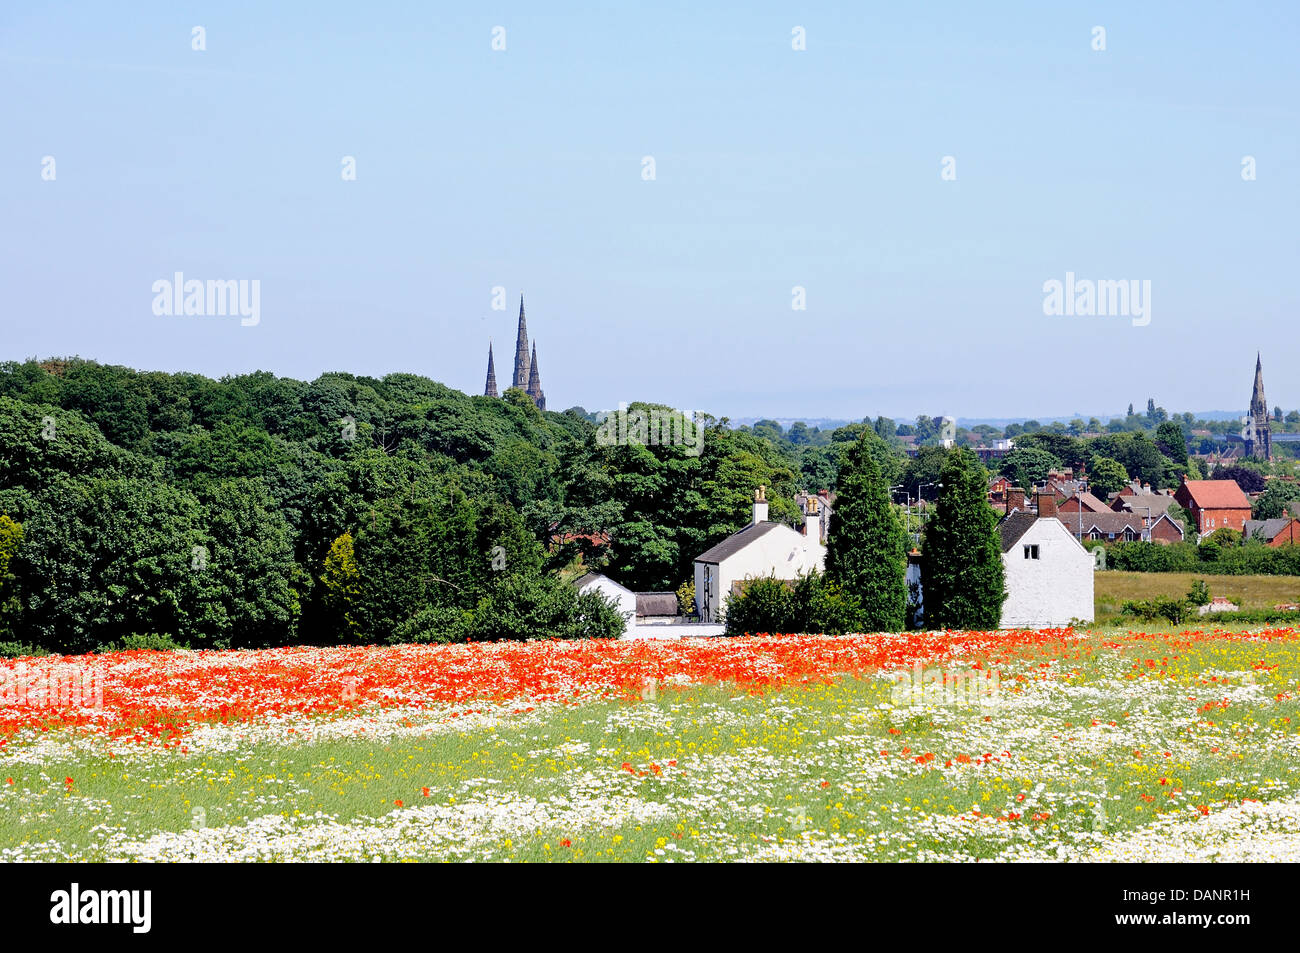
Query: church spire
{"points": [[535, 382], [521, 351], [1262, 445], [490, 389]]}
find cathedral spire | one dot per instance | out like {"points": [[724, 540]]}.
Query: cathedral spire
{"points": [[535, 382], [490, 389], [521, 351]]}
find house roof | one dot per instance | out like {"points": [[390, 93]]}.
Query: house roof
{"points": [[1089, 501], [1013, 527], [656, 603], [736, 542], [1064, 488], [1266, 530], [826, 500], [590, 578], [1107, 521], [1159, 503], [1216, 494]]}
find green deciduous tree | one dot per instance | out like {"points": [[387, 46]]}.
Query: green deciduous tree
{"points": [[11, 537], [1026, 467], [1273, 502], [1107, 476]]}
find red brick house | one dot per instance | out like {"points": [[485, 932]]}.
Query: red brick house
{"points": [[1082, 500], [1283, 531], [1165, 529], [1111, 527], [1214, 504], [1140, 498]]}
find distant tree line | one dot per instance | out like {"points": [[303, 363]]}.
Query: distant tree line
{"points": [[152, 508]]}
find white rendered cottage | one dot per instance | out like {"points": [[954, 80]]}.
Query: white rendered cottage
{"points": [[760, 549], [1049, 573], [624, 598]]}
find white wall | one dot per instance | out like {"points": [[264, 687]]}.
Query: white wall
{"points": [[1055, 588], [781, 552], [624, 597]]}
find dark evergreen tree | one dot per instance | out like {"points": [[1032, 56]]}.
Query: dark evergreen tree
{"points": [[962, 576], [865, 546]]}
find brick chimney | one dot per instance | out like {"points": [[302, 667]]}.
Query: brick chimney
{"points": [[760, 505], [1015, 499], [1046, 504], [812, 521]]}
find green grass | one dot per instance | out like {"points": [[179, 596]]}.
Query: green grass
{"points": [[1113, 588]]}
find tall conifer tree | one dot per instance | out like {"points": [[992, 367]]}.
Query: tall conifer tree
{"points": [[963, 581], [865, 546]]}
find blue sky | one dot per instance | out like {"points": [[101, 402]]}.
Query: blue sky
{"points": [[774, 168]]}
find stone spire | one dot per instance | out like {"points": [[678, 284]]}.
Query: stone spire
{"points": [[535, 382], [490, 390], [1263, 443], [522, 367]]}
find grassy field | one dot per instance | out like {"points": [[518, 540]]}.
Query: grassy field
{"points": [[1114, 588], [1113, 746]]}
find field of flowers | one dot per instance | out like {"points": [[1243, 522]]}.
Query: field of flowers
{"points": [[1051, 745]]}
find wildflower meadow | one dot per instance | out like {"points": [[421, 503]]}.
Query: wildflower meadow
{"points": [[959, 746]]}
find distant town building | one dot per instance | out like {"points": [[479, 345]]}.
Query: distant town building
{"points": [[1282, 531], [1082, 500], [1214, 504], [1262, 443], [1140, 498]]}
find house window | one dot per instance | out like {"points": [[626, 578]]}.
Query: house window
{"points": [[1031, 552]]}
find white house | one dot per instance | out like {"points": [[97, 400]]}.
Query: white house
{"points": [[623, 597], [822, 502], [760, 549], [1048, 572]]}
